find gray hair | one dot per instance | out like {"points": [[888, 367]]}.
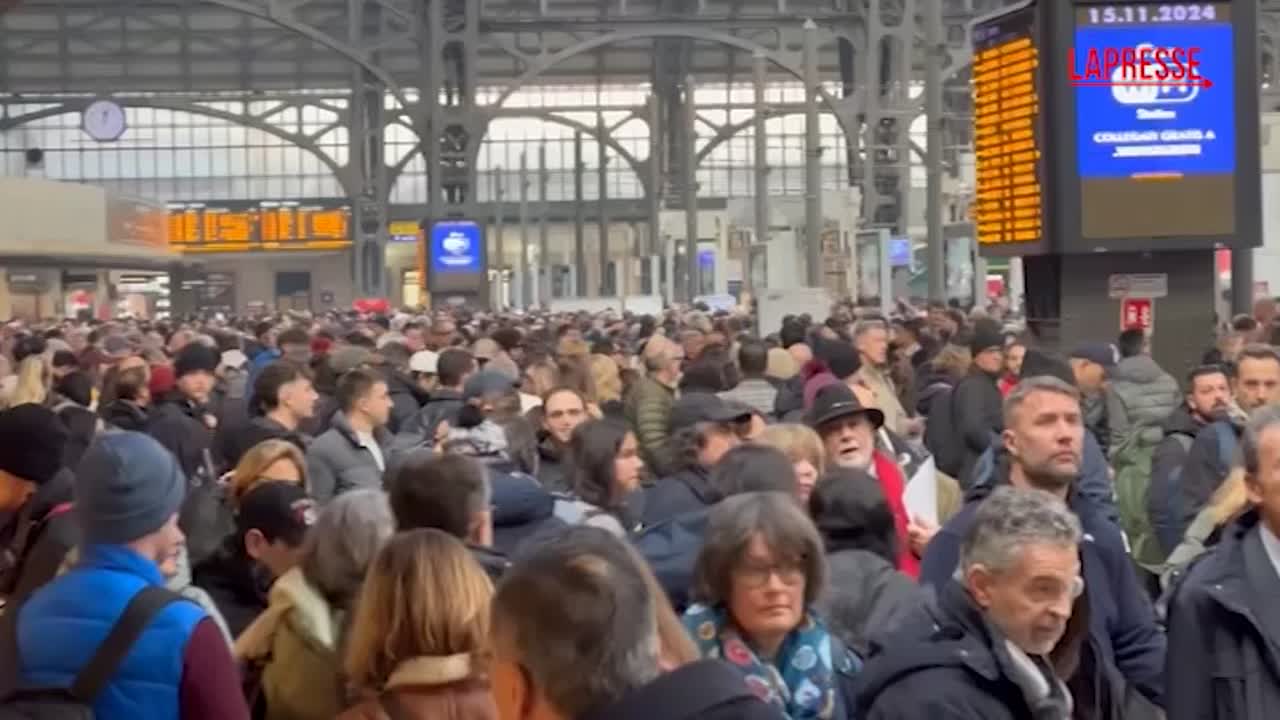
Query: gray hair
{"points": [[346, 537], [1038, 383], [787, 531], [862, 327], [578, 613], [1262, 420], [1012, 518]]}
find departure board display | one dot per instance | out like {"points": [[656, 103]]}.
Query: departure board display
{"points": [[198, 228], [1155, 97], [1007, 135]]}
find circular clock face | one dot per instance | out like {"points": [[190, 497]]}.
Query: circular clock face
{"points": [[104, 121]]}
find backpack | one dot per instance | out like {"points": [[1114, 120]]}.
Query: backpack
{"points": [[941, 435], [76, 702], [1132, 464], [1164, 497]]}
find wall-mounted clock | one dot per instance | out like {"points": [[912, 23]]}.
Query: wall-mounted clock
{"points": [[104, 121]]}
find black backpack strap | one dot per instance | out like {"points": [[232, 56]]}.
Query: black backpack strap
{"points": [[138, 614]]}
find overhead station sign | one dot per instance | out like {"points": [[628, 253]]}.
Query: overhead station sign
{"points": [[1116, 126], [200, 228], [1008, 210], [1155, 116]]}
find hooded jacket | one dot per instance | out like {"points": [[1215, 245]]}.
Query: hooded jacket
{"points": [[948, 661], [1139, 398], [1122, 625], [1224, 632]]}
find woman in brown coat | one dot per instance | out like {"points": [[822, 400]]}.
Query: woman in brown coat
{"points": [[417, 645]]}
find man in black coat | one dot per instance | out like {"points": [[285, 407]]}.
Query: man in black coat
{"points": [[183, 423], [976, 404], [980, 649], [1224, 622], [1208, 397]]}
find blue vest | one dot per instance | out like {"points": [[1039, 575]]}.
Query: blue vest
{"points": [[61, 626]]}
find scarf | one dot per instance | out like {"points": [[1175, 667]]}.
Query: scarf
{"points": [[801, 681]]}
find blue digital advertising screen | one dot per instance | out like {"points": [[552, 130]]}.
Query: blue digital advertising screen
{"points": [[457, 247], [1155, 95]]}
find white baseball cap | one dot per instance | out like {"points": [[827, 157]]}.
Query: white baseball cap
{"points": [[424, 361]]}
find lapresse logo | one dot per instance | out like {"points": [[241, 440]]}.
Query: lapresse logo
{"points": [[1145, 74], [457, 247]]}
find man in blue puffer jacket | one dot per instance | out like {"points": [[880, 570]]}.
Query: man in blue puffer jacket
{"points": [[127, 496]]}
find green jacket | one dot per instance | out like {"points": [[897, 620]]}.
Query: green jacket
{"points": [[648, 410]]}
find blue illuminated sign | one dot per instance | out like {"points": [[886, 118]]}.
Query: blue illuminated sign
{"points": [[457, 246], [900, 252], [1157, 129]]}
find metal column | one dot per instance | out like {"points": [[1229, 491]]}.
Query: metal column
{"points": [[654, 111], [690, 190], [603, 209], [368, 186], [500, 262], [543, 283], [812, 160], [522, 276], [934, 50], [579, 218], [761, 76]]}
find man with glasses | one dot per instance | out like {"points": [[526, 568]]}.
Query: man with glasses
{"points": [[1042, 447], [981, 648]]}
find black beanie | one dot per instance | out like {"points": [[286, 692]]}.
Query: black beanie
{"points": [[986, 335], [33, 442], [195, 357]]}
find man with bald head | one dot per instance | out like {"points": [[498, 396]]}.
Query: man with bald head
{"points": [[648, 406]]}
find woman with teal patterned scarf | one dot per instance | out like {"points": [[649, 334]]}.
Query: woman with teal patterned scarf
{"points": [[758, 574]]}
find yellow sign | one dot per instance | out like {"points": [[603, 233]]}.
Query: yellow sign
{"points": [[212, 229], [1006, 118]]}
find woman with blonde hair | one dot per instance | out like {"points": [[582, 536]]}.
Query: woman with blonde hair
{"points": [[417, 645], [805, 450], [268, 461], [34, 378]]}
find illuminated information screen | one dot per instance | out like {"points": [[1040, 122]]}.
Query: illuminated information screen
{"points": [[214, 229], [1156, 156], [1007, 142]]}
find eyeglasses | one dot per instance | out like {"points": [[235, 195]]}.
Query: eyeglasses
{"points": [[756, 575]]}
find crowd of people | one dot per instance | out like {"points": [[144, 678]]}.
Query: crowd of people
{"points": [[537, 516]]}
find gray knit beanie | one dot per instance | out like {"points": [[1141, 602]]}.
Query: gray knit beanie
{"points": [[127, 487]]}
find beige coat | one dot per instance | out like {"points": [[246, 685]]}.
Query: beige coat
{"points": [[295, 642], [878, 382]]}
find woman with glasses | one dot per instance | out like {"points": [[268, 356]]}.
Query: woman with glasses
{"points": [[758, 576]]}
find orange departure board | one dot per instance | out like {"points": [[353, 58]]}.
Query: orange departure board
{"points": [[215, 229], [1007, 139]]}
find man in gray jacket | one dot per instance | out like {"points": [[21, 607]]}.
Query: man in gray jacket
{"points": [[356, 449], [1140, 395]]}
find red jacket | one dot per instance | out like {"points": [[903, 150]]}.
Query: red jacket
{"points": [[892, 484]]}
